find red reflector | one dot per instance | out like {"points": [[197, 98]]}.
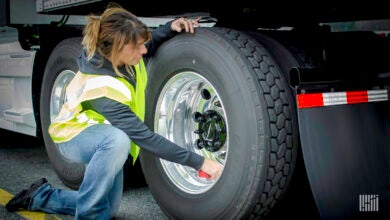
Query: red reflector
{"points": [[357, 97], [341, 98], [310, 100]]}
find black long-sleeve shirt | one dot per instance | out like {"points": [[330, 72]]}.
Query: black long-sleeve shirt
{"points": [[122, 117]]}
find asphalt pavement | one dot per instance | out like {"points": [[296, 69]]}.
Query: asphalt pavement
{"points": [[23, 160]]}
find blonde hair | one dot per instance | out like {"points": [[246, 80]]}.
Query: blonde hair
{"points": [[107, 34]]}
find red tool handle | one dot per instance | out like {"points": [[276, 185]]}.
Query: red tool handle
{"points": [[203, 174]]}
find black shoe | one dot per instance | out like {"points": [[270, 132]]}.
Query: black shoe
{"points": [[23, 198]]}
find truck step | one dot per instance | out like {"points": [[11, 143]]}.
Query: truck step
{"points": [[20, 115]]}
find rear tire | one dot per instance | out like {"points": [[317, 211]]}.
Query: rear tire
{"points": [[60, 69], [259, 108], [62, 64]]}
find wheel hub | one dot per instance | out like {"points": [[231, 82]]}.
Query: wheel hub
{"points": [[211, 130]]}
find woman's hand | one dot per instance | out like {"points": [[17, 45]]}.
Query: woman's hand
{"points": [[185, 24], [212, 168]]}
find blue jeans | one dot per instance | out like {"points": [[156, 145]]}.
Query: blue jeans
{"points": [[104, 149]]}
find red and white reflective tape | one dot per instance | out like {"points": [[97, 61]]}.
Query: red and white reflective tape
{"points": [[311, 100]]}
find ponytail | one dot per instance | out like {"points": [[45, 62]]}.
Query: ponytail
{"points": [[91, 35]]}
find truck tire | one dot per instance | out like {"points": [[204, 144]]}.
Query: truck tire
{"points": [[288, 49], [60, 69], [289, 55], [222, 91]]}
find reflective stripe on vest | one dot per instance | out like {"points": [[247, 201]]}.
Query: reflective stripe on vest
{"points": [[72, 119]]}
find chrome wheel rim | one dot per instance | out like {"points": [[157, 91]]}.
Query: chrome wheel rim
{"points": [[184, 97], [58, 97]]}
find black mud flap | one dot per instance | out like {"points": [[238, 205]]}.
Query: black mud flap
{"points": [[346, 149]]}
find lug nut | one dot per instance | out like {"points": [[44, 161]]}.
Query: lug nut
{"points": [[200, 144], [197, 117], [200, 131], [217, 144]]}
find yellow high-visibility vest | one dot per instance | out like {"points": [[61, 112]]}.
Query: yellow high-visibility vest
{"points": [[72, 119]]}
